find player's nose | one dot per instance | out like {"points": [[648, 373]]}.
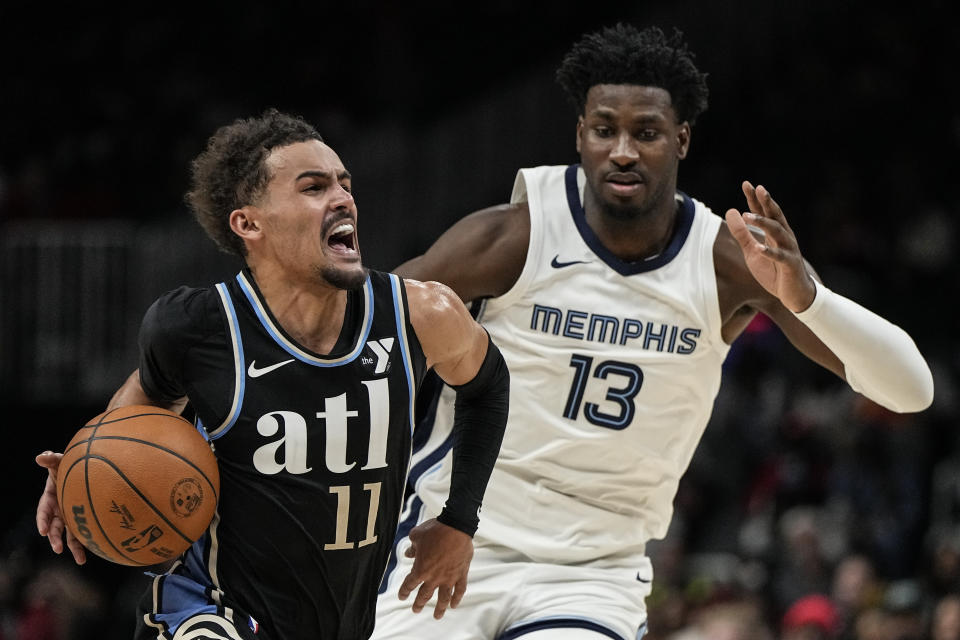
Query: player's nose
{"points": [[341, 198], [624, 151]]}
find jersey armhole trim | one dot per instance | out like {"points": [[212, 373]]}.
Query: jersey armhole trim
{"points": [[521, 193], [400, 315], [239, 379]]}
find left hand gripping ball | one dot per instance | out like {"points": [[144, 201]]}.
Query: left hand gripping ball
{"points": [[138, 485]]}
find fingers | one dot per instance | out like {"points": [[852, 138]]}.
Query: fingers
{"points": [[458, 590], [447, 597], [423, 594], [760, 201], [738, 228], [49, 519], [76, 548], [444, 595]]}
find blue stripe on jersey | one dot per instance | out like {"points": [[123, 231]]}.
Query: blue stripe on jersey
{"points": [[681, 231], [180, 598], [194, 560], [198, 423], [293, 349], [558, 622], [238, 363], [395, 284]]}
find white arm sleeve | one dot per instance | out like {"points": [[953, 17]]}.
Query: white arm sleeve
{"points": [[880, 360]]}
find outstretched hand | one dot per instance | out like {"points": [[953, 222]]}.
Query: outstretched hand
{"points": [[441, 557], [774, 259], [50, 521]]}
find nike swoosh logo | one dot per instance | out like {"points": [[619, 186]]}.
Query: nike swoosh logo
{"points": [[253, 372], [556, 264], [639, 579]]}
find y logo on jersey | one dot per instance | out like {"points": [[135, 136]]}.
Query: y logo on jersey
{"points": [[376, 357]]}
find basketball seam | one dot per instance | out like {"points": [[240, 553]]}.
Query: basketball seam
{"points": [[86, 482], [93, 511], [171, 452], [143, 497]]}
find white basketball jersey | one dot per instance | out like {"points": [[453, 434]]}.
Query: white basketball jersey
{"points": [[614, 370]]}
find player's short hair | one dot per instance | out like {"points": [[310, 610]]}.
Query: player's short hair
{"points": [[232, 172], [625, 55]]}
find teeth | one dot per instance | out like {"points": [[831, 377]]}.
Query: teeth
{"points": [[342, 229]]}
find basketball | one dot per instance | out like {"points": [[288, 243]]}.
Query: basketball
{"points": [[138, 485]]}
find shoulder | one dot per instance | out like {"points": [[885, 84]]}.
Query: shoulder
{"points": [[184, 313], [480, 256], [446, 331], [437, 313], [431, 301]]}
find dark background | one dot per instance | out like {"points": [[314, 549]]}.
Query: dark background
{"points": [[847, 112]]}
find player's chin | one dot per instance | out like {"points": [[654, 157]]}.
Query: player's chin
{"points": [[343, 276]]}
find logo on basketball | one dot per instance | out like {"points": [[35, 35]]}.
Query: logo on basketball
{"points": [[186, 496], [126, 518], [142, 539]]}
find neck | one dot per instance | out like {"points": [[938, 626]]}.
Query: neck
{"points": [[639, 237], [309, 310]]}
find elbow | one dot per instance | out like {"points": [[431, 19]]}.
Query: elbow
{"points": [[914, 394], [921, 393], [909, 392]]}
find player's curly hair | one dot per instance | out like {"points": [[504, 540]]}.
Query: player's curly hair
{"points": [[625, 55], [231, 172]]}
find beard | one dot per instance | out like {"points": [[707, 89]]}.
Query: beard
{"points": [[348, 280]]}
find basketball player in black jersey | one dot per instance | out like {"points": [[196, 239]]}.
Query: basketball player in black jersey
{"points": [[303, 372]]}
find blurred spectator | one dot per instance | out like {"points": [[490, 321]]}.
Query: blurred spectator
{"points": [[871, 624], [734, 620], [903, 604], [945, 620], [812, 617], [854, 589]]}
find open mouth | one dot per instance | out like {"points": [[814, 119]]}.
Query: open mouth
{"points": [[343, 238]]}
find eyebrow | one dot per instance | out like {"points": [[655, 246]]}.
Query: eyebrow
{"points": [[609, 114], [343, 175]]}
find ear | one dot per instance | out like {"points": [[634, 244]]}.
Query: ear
{"points": [[245, 223], [579, 131], [683, 140]]}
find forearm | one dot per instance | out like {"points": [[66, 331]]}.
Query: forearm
{"points": [[480, 418], [880, 360], [131, 392]]}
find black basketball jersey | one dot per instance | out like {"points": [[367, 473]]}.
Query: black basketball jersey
{"points": [[312, 450]]}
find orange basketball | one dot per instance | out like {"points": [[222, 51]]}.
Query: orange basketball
{"points": [[138, 485]]}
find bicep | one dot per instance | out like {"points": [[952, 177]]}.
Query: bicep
{"points": [[480, 256]]}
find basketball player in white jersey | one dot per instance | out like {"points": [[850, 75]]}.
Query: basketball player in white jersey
{"points": [[614, 298]]}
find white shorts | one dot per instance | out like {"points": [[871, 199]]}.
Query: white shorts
{"points": [[509, 596]]}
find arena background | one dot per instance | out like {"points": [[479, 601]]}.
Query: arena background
{"points": [[847, 112]]}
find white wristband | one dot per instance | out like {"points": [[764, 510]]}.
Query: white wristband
{"points": [[880, 360]]}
